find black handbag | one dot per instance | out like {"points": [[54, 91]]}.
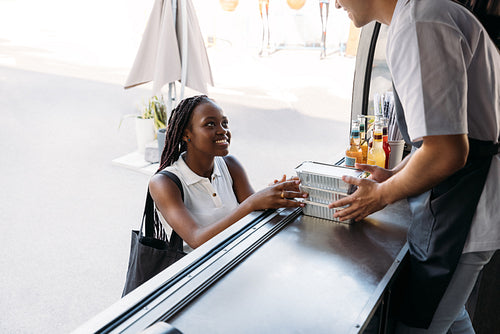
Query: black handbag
{"points": [[152, 253]]}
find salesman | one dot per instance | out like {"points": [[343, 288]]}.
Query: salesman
{"points": [[446, 76]]}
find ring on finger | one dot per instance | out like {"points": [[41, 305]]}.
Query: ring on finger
{"points": [[282, 194]]}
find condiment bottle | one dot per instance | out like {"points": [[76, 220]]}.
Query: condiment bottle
{"points": [[354, 153], [376, 154], [362, 137], [385, 141]]}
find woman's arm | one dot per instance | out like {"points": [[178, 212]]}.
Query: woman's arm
{"points": [[168, 200], [241, 185]]}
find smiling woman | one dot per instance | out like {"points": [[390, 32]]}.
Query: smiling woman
{"points": [[216, 189]]}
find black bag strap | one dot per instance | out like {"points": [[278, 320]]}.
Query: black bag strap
{"points": [[148, 217]]}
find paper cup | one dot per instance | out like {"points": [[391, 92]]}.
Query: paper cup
{"points": [[397, 147]]}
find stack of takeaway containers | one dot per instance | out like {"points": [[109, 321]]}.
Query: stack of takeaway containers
{"points": [[324, 185]]}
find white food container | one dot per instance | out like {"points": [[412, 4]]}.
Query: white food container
{"points": [[327, 177], [321, 210], [324, 185], [323, 196]]}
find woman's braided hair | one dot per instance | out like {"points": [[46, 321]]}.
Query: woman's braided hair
{"points": [[174, 145]]}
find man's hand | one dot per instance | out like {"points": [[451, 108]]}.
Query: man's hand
{"points": [[363, 202], [366, 199], [377, 173], [437, 158]]}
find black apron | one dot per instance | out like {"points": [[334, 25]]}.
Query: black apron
{"points": [[436, 237]]}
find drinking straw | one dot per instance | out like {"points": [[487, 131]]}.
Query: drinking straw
{"points": [[376, 104], [387, 98], [393, 129]]}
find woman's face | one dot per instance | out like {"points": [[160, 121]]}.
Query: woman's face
{"points": [[208, 130]]}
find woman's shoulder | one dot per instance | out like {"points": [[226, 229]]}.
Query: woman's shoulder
{"points": [[231, 162], [164, 177], [163, 184], [159, 179], [164, 172], [235, 168]]}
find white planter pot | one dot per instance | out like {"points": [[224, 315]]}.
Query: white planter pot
{"points": [[145, 132], [160, 135]]}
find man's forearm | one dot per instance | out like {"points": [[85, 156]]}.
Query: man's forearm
{"points": [[438, 158]]}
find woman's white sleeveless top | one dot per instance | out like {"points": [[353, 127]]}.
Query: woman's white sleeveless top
{"points": [[208, 200]]}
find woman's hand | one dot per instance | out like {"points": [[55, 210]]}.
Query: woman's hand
{"points": [[279, 195], [283, 179]]}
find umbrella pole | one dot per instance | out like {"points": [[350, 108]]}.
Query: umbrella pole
{"points": [[172, 94], [171, 101], [174, 11], [184, 56], [184, 46]]}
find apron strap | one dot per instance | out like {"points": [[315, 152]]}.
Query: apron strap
{"points": [[479, 149], [400, 118]]}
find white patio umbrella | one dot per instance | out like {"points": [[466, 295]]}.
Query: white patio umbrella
{"points": [[172, 49]]}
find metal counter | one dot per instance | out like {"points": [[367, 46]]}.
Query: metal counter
{"points": [[312, 276], [284, 272]]}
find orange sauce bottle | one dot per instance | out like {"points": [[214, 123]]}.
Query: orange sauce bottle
{"points": [[354, 153], [376, 154]]}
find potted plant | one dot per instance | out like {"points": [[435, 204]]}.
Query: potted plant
{"points": [[156, 109], [151, 118], [156, 106]]}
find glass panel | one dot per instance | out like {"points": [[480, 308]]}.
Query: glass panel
{"points": [[381, 102], [381, 80]]}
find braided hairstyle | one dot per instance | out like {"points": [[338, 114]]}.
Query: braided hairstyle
{"points": [[179, 120], [174, 145]]}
